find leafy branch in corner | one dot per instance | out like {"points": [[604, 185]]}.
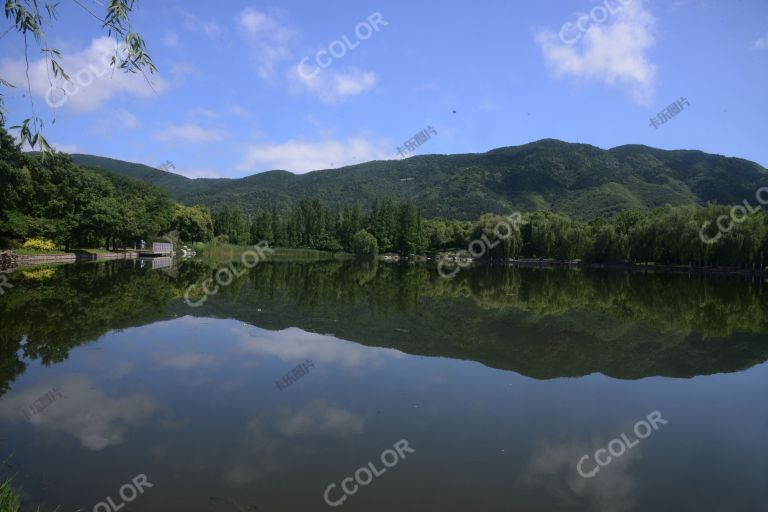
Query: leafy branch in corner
{"points": [[31, 18]]}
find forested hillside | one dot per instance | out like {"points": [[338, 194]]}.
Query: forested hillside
{"points": [[67, 205], [578, 180]]}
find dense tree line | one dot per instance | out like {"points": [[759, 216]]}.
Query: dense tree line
{"points": [[710, 235], [669, 235], [387, 227], [77, 207]]}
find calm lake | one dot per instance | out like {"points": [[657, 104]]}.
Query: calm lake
{"points": [[319, 385]]}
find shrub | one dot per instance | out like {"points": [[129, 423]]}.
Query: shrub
{"points": [[39, 244]]}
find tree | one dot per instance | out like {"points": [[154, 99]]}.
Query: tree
{"points": [[261, 228], [606, 245], [364, 244], [193, 223], [233, 224], [383, 225], [502, 240]]}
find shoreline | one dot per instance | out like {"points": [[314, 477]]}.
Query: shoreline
{"points": [[10, 261], [578, 264]]}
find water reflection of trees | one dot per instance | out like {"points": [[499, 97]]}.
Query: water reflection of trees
{"points": [[711, 306], [47, 314], [543, 323]]}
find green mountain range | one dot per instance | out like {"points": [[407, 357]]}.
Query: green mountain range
{"points": [[579, 180]]}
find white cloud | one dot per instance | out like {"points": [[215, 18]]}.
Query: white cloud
{"points": [[112, 123], [761, 44], [185, 361], [268, 39], [93, 80], [330, 85], [270, 44], [195, 24], [237, 110], [191, 133], [205, 113], [182, 70], [614, 52], [554, 468], [127, 120], [84, 411], [677, 4], [171, 39], [354, 83], [219, 112], [269, 440], [318, 419], [302, 156]]}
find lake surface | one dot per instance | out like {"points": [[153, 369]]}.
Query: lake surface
{"points": [[298, 374]]}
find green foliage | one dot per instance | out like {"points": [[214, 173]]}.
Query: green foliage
{"points": [[669, 235], [312, 225], [365, 244], [9, 500], [232, 223], [193, 224], [502, 238], [75, 207], [577, 180], [551, 235]]}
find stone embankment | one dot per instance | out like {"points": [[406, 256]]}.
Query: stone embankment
{"points": [[8, 260], [11, 260]]}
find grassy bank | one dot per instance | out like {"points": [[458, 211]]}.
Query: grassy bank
{"points": [[9, 500]]}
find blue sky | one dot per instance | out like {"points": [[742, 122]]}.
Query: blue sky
{"points": [[231, 100]]}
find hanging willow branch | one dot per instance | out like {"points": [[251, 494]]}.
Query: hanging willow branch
{"points": [[29, 18]]}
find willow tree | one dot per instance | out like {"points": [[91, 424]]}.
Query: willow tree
{"points": [[30, 19]]}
